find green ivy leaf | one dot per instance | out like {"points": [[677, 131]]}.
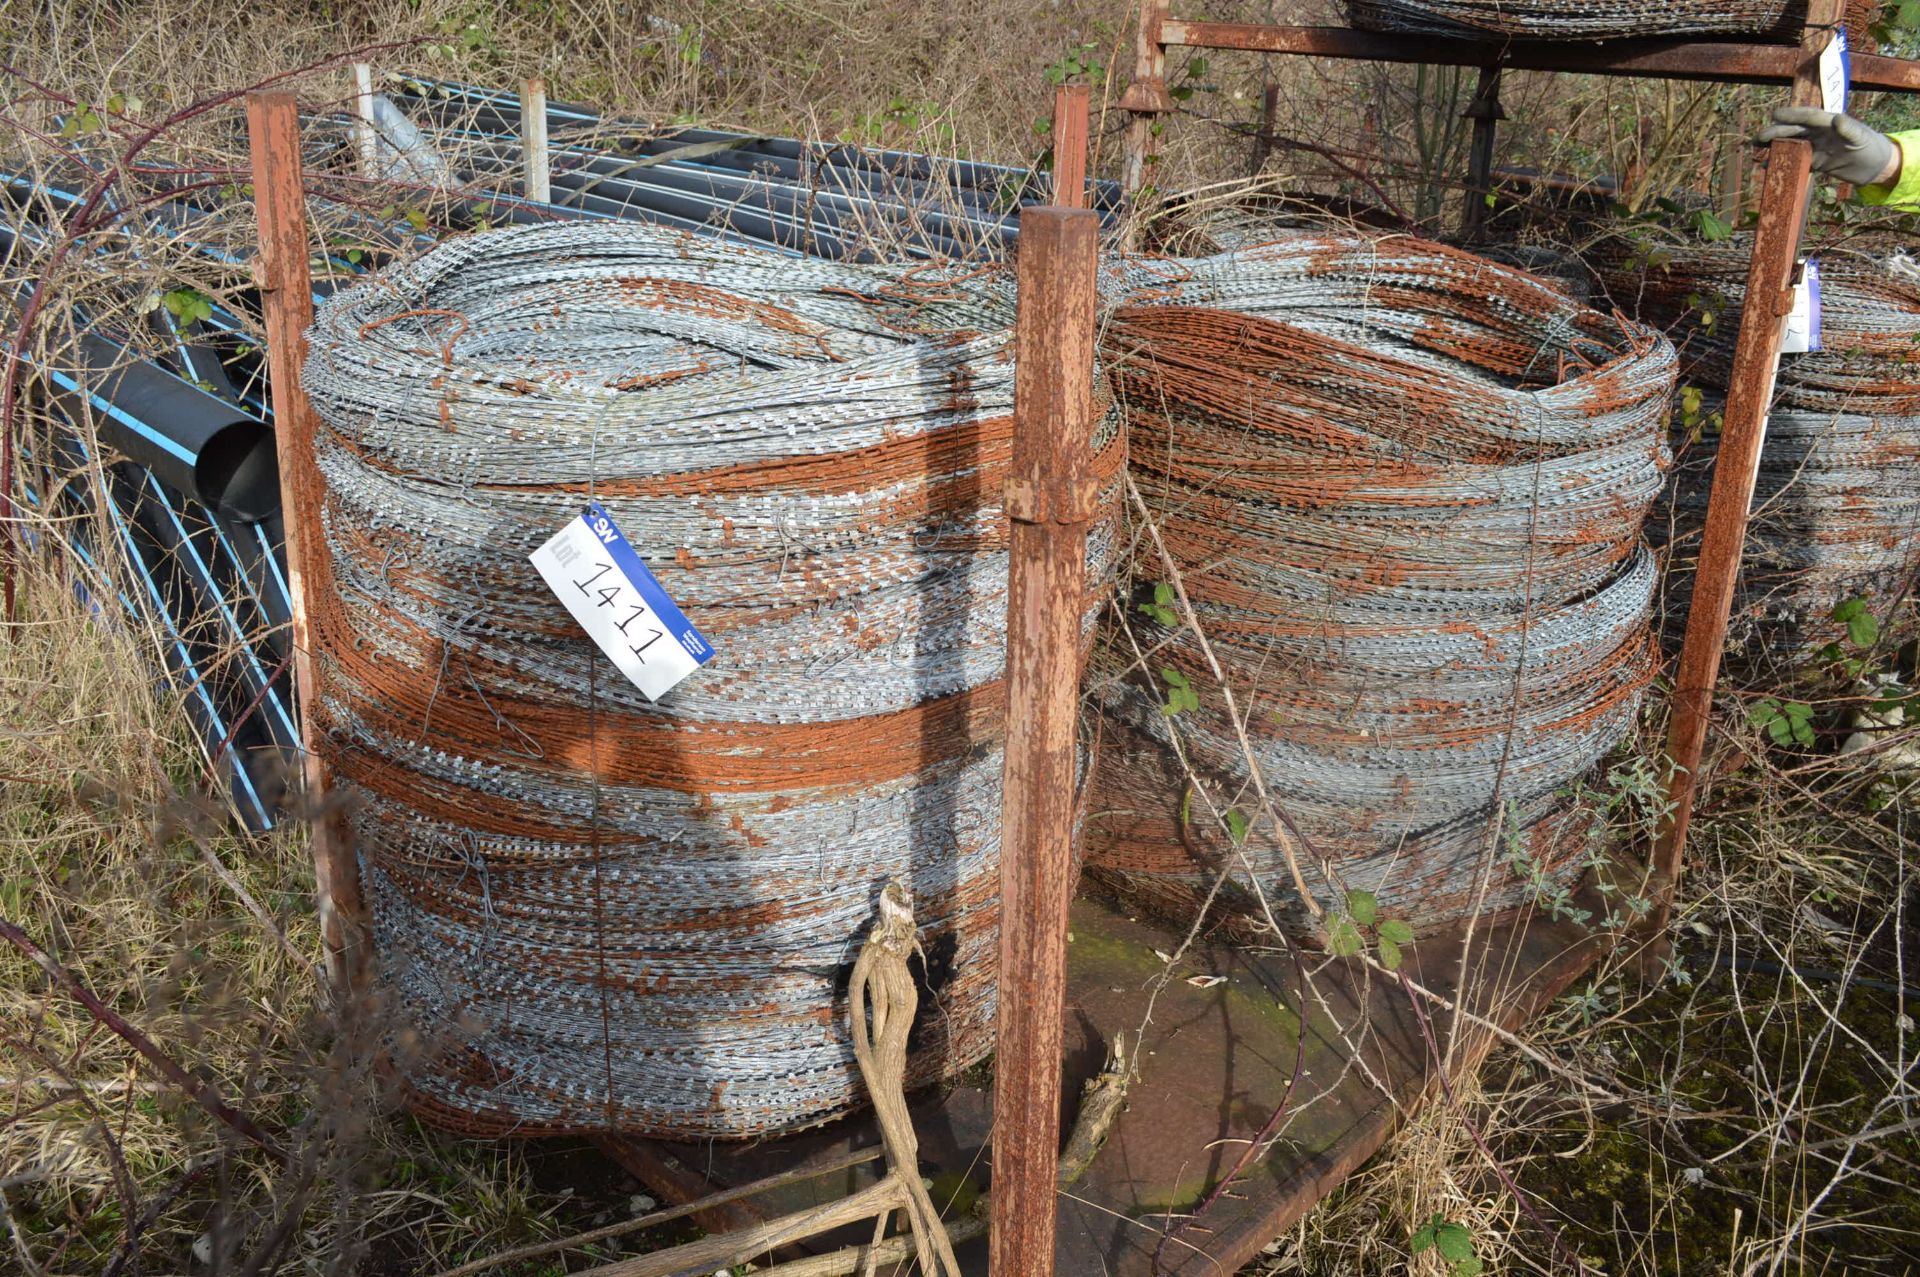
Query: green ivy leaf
{"points": [[1364, 906], [1180, 694]]}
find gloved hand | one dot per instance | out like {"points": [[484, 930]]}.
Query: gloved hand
{"points": [[1843, 147]]}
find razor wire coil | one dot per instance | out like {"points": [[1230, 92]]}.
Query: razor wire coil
{"points": [[1836, 503], [595, 912], [1406, 488], [1598, 19]]}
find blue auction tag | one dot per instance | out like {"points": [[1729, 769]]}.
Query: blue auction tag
{"points": [[1836, 72], [1802, 333], [594, 571]]}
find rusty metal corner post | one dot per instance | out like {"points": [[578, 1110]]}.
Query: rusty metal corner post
{"points": [[1071, 105], [1736, 469], [1051, 498], [286, 293], [1146, 98]]}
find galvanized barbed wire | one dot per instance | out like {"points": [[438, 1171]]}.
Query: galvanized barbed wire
{"points": [[1405, 487], [1696, 291], [612, 914], [1836, 504], [1599, 19], [1836, 517]]}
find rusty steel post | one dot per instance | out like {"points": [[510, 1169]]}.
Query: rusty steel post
{"points": [[1070, 104], [1720, 62], [1756, 363], [1051, 498], [1146, 98], [286, 292]]}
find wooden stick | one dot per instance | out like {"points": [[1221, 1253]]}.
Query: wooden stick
{"points": [[200, 1092], [1070, 146], [364, 133], [1100, 1104], [538, 1250], [533, 142], [1756, 364], [286, 292], [870, 1257], [1050, 498], [697, 1259]]}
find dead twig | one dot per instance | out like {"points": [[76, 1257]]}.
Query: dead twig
{"points": [[202, 1094]]}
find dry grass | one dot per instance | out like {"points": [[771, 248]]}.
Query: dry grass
{"points": [[1750, 1111], [115, 859]]}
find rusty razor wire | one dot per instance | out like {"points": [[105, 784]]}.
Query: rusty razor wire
{"points": [[607, 913], [1405, 488]]}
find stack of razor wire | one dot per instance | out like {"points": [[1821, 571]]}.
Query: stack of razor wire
{"points": [[1836, 506], [1405, 488], [1597, 19], [607, 913]]}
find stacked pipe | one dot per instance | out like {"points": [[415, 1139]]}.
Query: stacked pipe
{"points": [[174, 533], [1405, 489], [1836, 507], [821, 199], [607, 913]]}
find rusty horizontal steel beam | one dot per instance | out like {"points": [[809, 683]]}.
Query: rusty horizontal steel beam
{"points": [[1663, 59]]}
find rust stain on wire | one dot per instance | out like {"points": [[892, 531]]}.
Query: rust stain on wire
{"points": [[1775, 20], [1405, 487], [591, 911], [1836, 507]]}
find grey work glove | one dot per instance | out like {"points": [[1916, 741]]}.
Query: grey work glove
{"points": [[1843, 147]]}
